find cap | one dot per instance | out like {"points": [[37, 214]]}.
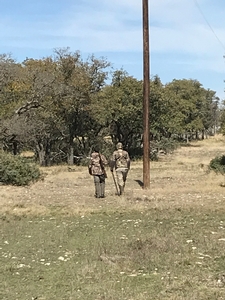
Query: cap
{"points": [[119, 146]]}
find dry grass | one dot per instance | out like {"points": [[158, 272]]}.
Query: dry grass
{"points": [[177, 180], [166, 243]]}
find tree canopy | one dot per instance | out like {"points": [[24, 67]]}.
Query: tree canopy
{"points": [[61, 105]]}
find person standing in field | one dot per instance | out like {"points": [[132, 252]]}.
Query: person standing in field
{"points": [[121, 162], [96, 168]]}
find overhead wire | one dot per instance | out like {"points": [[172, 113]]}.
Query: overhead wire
{"points": [[200, 10]]}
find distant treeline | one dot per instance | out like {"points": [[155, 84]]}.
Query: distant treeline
{"points": [[60, 106]]}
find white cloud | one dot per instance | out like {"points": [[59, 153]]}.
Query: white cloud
{"points": [[179, 27], [115, 27], [104, 26], [178, 33]]}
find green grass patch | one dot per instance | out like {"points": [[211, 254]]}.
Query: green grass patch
{"points": [[152, 254]]}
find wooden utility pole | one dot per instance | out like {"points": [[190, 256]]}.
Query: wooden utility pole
{"points": [[146, 93]]}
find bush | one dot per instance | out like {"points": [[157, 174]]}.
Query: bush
{"points": [[15, 170], [168, 145], [217, 164]]}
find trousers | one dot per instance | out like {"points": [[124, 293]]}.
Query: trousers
{"points": [[99, 182], [121, 175]]}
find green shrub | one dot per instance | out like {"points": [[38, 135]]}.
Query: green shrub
{"points": [[217, 164], [15, 170], [168, 145]]}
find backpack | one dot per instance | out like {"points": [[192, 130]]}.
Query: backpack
{"points": [[121, 159], [97, 165]]}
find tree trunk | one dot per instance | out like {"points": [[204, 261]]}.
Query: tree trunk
{"points": [[15, 148], [187, 138], [70, 156], [48, 154], [41, 154], [203, 134], [44, 154], [196, 135]]}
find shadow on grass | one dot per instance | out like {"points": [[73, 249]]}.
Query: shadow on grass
{"points": [[139, 182], [190, 145]]}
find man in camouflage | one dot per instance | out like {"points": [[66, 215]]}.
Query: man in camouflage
{"points": [[121, 162], [97, 169]]}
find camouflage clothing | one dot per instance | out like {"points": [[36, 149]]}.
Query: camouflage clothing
{"points": [[121, 159], [97, 169], [97, 163], [121, 162]]}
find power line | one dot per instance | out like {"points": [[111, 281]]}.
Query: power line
{"points": [[196, 3]]}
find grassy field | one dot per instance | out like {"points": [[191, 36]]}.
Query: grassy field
{"points": [[59, 242]]}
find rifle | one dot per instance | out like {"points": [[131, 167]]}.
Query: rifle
{"points": [[117, 190]]}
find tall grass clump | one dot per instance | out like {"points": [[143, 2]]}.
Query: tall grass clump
{"points": [[16, 170]]}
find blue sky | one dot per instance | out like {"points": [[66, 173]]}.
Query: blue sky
{"points": [[185, 41]]}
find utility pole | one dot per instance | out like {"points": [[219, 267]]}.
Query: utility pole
{"points": [[146, 93]]}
